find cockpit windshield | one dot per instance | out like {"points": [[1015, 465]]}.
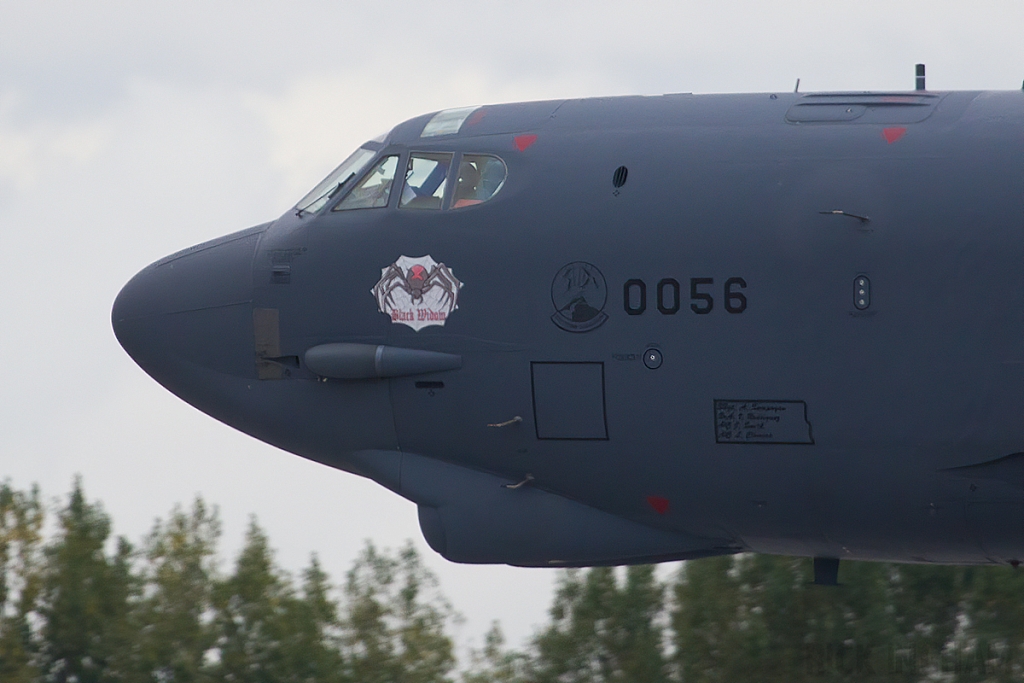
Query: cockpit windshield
{"points": [[330, 186]]}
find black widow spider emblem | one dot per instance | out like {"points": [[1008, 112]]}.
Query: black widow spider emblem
{"points": [[417, 281]]}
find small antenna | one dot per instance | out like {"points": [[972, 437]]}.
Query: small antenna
{"points": [[797, 88], [920, 77]]}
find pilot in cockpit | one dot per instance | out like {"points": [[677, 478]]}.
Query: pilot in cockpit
{"points": [[425, 180], [468, 187], [480, 178]]}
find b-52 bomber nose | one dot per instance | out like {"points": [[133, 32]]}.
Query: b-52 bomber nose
{"points": [[187, 319], [558, 329]]}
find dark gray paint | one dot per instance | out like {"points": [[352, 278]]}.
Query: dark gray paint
{"points": [[906, 399]]}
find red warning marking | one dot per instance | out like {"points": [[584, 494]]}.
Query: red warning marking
{"points": [[524, 141], [659, 504], [477, 117], [891, 135]]}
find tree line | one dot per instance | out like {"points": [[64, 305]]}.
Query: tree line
{"points": [[79, 606]]}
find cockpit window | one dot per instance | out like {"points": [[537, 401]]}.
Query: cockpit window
{"points": [[480, 178], [425, 180], [330, 186], [373, 190]]}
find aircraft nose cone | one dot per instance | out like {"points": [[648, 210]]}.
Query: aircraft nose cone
{"points": [[191, 311]]}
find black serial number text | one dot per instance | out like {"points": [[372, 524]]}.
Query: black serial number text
{"points": [[667, 296]]}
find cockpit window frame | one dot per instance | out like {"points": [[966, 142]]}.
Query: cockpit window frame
{"points": [[324, 194], [404, 155], [383, 154], [453, 162]]}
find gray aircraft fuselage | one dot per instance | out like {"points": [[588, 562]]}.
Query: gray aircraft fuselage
{"points": [[679, 326]]}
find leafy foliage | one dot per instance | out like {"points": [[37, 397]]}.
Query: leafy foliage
{"points": [[21, 522], [172, 618], [80, 606], [391, 632], [84, 607], [602, 630], [84, 597], [493, 663]]}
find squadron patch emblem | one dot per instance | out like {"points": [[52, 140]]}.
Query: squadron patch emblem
{"points": [[417, 292], [579, 293]]}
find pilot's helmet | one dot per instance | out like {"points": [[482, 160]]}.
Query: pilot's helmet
{"points": [[469, 179]]}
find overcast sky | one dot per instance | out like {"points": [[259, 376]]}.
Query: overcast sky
{"points": [[129, 130]]}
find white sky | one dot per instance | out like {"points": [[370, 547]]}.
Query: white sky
{"points": [[129, 130]]}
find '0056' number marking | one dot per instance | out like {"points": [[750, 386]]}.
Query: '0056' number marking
{"points": [[668, 297]]}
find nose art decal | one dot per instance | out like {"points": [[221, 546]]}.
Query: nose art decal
{"points": [[417, 292]]}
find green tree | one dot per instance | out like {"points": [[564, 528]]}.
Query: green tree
{"points": [[21, 523], [395, 621], [639, 635], [267, 632], [495, 664], [252, 606], [883, 622], [174, 618], [705, 618], [85, 596], [602, 631], [314, 652], [990, 646]]}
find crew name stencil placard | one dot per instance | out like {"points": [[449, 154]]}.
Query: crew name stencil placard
{"points": [[762, 422]]}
